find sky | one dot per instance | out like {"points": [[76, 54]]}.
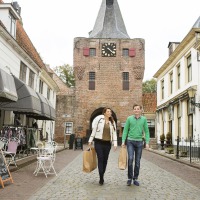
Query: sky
{"points": [[52, 26]]}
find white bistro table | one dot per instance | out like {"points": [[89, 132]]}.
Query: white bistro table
{"points": [[45, 160]]}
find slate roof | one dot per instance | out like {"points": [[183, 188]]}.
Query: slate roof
{"points": [[197, 23], [149, 102], [109, 22]]}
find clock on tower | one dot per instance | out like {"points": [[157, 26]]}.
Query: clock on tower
{"points": [[108, 50]]}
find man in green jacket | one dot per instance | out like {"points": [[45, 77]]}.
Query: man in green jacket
{"points": [[133, 131]]}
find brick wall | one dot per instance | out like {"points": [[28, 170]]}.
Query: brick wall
{"points": [[65, 101], [108, 91], [64, 113]]}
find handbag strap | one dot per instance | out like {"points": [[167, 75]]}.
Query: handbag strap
{"points": [[98, 124]]}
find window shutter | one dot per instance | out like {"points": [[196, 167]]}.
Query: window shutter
{"points": [[86, 51], [132, 52]]}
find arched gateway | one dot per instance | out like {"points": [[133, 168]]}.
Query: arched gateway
{"points": [[94, 115]]}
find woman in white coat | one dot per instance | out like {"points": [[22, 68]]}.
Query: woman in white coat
{"points": [[103, 135]]}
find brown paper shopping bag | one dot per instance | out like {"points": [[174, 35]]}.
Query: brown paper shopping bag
{"points": [[94, 158], [89, 160], [122, 160]]}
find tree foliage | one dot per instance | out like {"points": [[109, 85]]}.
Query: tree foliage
{"points": [[149, 86], [66, 73]]}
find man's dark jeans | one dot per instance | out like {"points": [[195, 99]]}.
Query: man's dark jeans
{"points": [[102, 149], [134, 149]]}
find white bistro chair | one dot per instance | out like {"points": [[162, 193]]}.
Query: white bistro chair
{"points": [[45, 161], [11, 151], [1, 145]]}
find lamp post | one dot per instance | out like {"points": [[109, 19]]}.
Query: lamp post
{"points": [[191, 93]]}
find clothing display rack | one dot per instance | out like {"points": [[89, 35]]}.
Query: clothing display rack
{"points": [[31, 139], [26, 137]]}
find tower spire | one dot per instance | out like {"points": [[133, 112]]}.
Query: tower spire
{"points": [[109, 22]]}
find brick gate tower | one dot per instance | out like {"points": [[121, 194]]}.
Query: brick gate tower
{"points": [[109, 69]]}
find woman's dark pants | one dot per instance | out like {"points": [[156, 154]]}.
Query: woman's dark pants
{"points": [[102, 149]]}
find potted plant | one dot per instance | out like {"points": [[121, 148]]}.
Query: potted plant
{"points": [[169, 150], [168, 139], [183, 153], [162, 140]]}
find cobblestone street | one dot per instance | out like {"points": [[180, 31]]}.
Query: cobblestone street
{"points": [[71, 183], [156, 183]]}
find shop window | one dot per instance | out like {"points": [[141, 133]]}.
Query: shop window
{"points": [[151, 125]]}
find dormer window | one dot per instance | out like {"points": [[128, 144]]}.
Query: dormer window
{"points": [[12, 25], [9, 13], [109, 2], [172, 46]]}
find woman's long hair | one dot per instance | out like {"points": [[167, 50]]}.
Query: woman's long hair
{"points": [[110, 118]]}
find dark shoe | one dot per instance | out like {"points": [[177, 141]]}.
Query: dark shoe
{"points": [[135, 182], [129, 182], [101, 182]]}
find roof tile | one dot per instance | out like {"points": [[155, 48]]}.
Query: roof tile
{"points": [[149, 102], [25, 43]]}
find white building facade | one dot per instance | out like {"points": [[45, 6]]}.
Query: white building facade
{"points": [[179, 76], [27, 90]]}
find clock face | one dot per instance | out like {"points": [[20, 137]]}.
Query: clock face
{"points": [[108, 50]]}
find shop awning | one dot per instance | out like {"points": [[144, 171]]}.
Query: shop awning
{"points": [[28, 101], [7, 87], [47, 111], [52, 110]]}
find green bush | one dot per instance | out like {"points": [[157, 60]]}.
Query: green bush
{"points": [[169, 136], [169, 150]]}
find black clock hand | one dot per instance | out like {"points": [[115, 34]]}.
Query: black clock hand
{"points": [[110, 50]]}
